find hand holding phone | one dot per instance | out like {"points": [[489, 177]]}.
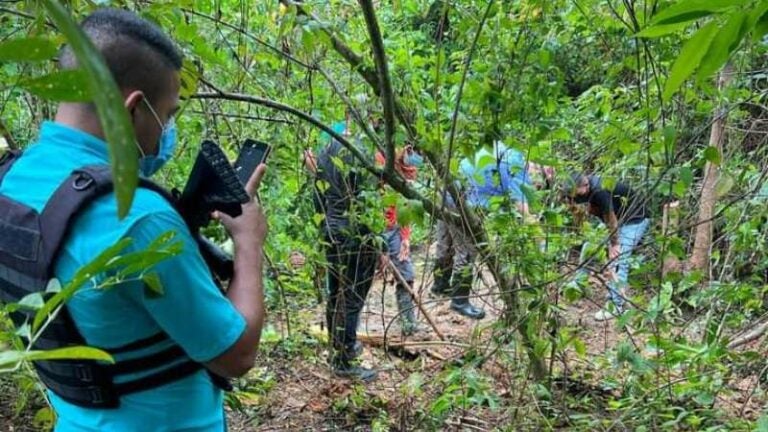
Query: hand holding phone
{"points": [[251, 155]]}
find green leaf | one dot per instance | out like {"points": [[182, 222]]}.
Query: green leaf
{"points": [[54, 286], [29, 49], [704, 398], [686, 175], [580, 347], [690, 10], [109, 103], [711, 154], [758, 21], [190, 76], [723, 185], [44, 419], [670, 138], [63, 86], [83, 274], [154, 285], [690, 57], [11, 358], [727, 40], [32, 301], [661, 30]]}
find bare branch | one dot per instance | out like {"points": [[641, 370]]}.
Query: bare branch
{"points": [[393, 180], [385, 85]]}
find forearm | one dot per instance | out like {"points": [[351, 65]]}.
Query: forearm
{"points": [[246, 292], [613, 228]]}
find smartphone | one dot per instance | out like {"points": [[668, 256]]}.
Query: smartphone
{"points": [[251, 155]]}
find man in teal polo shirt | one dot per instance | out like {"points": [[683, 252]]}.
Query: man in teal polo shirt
{"points": [[220, 332]]}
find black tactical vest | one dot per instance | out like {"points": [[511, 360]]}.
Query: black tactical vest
{"points": [[29, 244]]}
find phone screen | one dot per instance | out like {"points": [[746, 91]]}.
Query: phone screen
{"points": [[251, 155]]}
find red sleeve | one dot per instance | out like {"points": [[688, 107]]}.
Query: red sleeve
{"points": [[405, 233]]}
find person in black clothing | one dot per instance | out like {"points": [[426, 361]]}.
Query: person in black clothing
{"points": [[350, 248], [624, 212]]}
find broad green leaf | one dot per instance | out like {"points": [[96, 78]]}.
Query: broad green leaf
{"points": [[690, 57], [758, 21], [154, 285], [44, 419], [758, 13], [679, 188], [686, 175], [109, 103], [190, 75], [727, 40], [54, 286], [63, 86], [723, 185], [32, 301], [670, 138], [690, 10], [29, 49], [661, 30], [711, 154], [85, 273], [11, 358]]}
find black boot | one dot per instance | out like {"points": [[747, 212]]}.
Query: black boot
{"points": [[408, 323], [460, 300], [346, 368], [442, 275]]}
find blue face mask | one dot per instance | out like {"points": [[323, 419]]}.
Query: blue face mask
{"points": [[413, 159], [150, 164]]}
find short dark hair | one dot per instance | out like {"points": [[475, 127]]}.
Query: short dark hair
{"points": [[571, 182], [136, 51]]}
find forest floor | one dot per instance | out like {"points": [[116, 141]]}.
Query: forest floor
{"points": [[292, 387], [305, 395]]}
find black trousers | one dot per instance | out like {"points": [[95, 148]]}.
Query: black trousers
{"points": [[351, 267]]}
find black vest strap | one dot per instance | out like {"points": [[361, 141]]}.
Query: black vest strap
{"points": [[84, 382]]}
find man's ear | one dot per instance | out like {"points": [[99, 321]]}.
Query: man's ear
{"points": [[133, 99]]}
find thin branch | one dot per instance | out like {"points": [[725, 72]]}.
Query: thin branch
{"points": [[243, 116], [249, 36], [385, 85], [395, 181]]}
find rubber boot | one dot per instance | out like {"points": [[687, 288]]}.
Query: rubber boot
{"points": [[345, 366], [460, 300], [442, 278], [405, 306]]}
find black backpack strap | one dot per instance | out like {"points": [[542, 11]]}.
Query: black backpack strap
{"points": [[84, 382], [6, 162]]}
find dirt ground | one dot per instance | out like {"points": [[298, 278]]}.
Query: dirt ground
{"points": [[300, 393], [305, 395]]}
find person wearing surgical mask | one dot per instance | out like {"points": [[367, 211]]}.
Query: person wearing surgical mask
{"points": [[191, 329]]}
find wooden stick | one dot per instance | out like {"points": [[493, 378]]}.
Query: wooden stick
{"points": [[750, 335], [413, 297]]}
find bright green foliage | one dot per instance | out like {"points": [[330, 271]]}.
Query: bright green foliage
{"points": [[588, 85]]}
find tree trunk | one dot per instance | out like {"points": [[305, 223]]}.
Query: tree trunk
{"points": [[702, 243]]}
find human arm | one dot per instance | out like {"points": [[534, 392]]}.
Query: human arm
{"points": [[405, 243], [310, 162], [246, 289], [601, 205]]}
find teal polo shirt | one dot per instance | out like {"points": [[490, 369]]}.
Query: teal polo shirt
{"points": [[192, 311]]}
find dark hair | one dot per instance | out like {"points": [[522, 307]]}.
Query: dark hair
{"points": [[137, 52], [570, 183]]}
